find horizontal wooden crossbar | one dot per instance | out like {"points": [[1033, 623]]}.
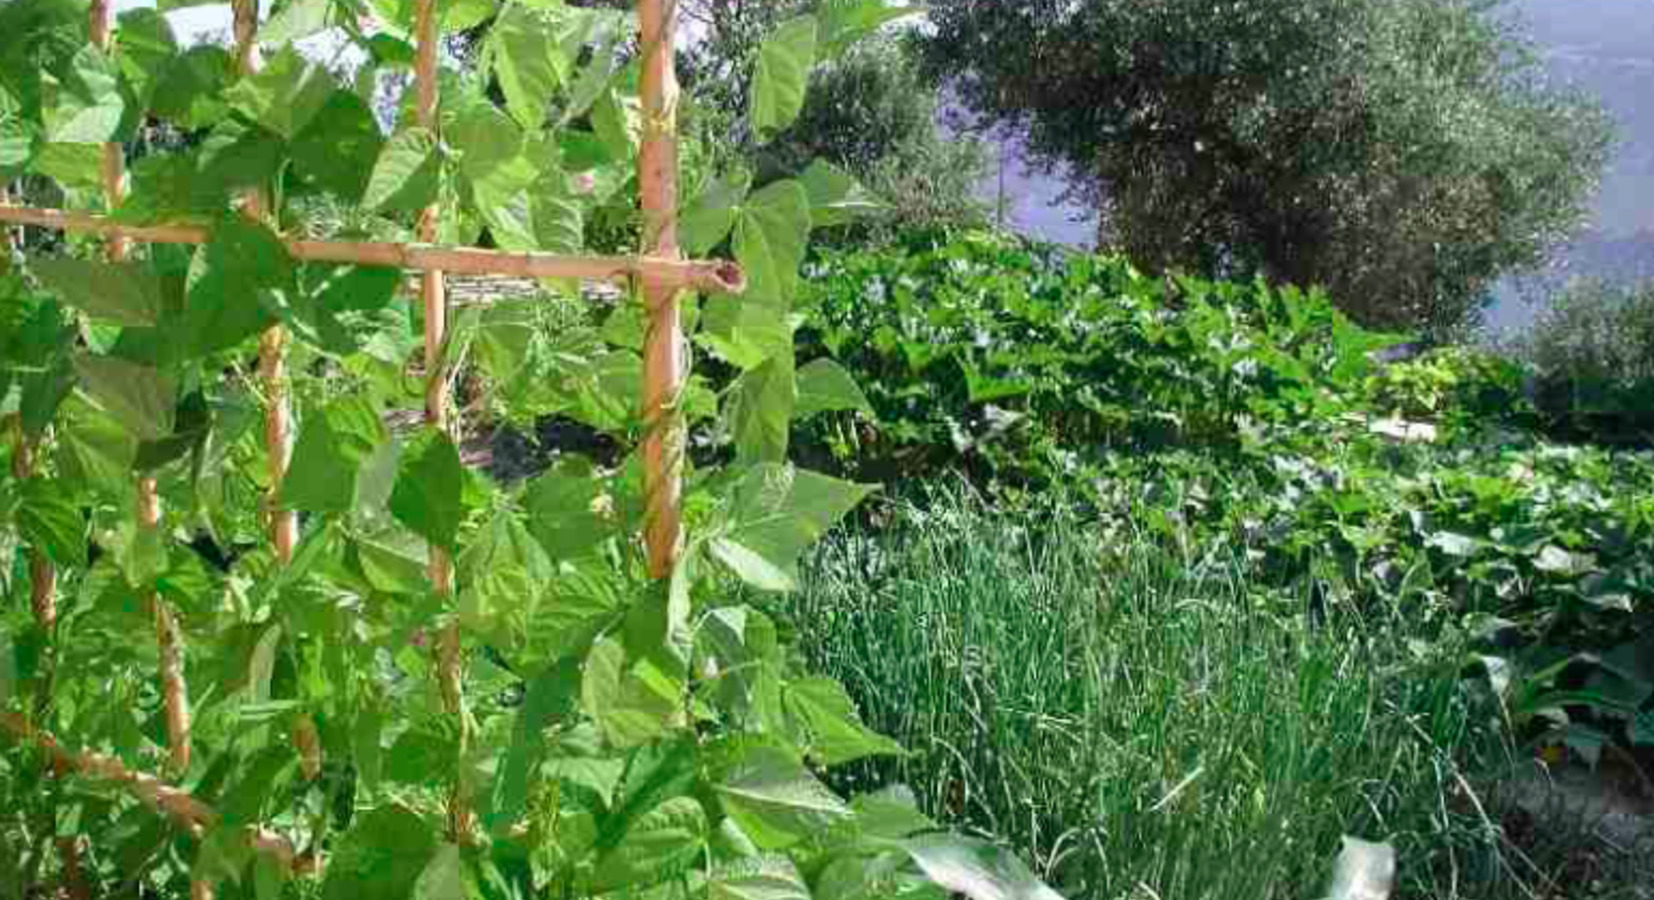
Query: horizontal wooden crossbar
{"points": [[176, 804], [711, 276]]}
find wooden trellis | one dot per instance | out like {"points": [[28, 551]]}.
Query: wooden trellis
{"points": [[659, 270]]}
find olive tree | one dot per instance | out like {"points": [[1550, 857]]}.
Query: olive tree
{"points": [[1401, 153]]}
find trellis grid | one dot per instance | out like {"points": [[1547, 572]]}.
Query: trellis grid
{"points": [[659, 271]]}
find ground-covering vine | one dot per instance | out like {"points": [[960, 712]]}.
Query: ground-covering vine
{"points": [[443, 687]]}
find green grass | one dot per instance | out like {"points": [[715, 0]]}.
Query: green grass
{"points": [[1141, 724]]}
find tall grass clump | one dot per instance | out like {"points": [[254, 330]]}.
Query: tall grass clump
{"points": [[1140, 722]]}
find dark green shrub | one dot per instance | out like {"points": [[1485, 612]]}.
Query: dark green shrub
{"points": [[1019, 360], [1593, 351], [1456, 385]]}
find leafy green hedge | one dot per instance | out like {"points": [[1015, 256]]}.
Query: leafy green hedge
{"points": [[1008, 357], [1225, 414]]}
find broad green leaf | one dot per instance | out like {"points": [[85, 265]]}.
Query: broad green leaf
{"points": [[539, 215], [120, 293], [87, 105], [707, 220], [296, 20], [617, 120], [782, 74], [487, 141], [147, 48], [284, 95], [771, 233], [632, 703], [761, 411], [338, 150], [222, 855], [891, 813], [190, 94], [775, 513], [333, 447], [354, 288], [366, 750], [140, 398], [761, 878], [659, 844], [1558, 561], [405, 177], [835, 197], [381, 857], [429, 497], [552, 696], [268, 772], [52, 522], [72, 165], [527, 62], [845, 22], [561, 509], [825, 386], [976, 869], [17, 145], [604, 39], [444, 877], [233, 157], [394, 568], [578, 759], [835, 730], [1453, 544], [242, 273], [746, 330], [776, 800], [93, 449], [268, 877], [43, 392]]}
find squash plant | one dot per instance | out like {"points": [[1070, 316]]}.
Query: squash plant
{"points": [[594, 728]]}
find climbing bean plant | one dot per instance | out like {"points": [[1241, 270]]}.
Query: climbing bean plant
{"points": [[613, 733]]}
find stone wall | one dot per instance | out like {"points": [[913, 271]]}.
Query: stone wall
{"points": [[464, 290]]}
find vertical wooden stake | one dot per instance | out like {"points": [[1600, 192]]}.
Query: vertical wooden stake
{"points": [[167, 639], [272, 345], [665, 358], [11, 239], [42, 574], [433, 293]]}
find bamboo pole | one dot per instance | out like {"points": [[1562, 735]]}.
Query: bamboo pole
{"points": [[665, 359], [192, 814], [272, 345], [42, 574], [433, 291], [173, 689], [11, 239], [710, 276], [278, 414]]}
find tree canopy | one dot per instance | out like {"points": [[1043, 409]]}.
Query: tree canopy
{"points": [[1401, 153]]}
